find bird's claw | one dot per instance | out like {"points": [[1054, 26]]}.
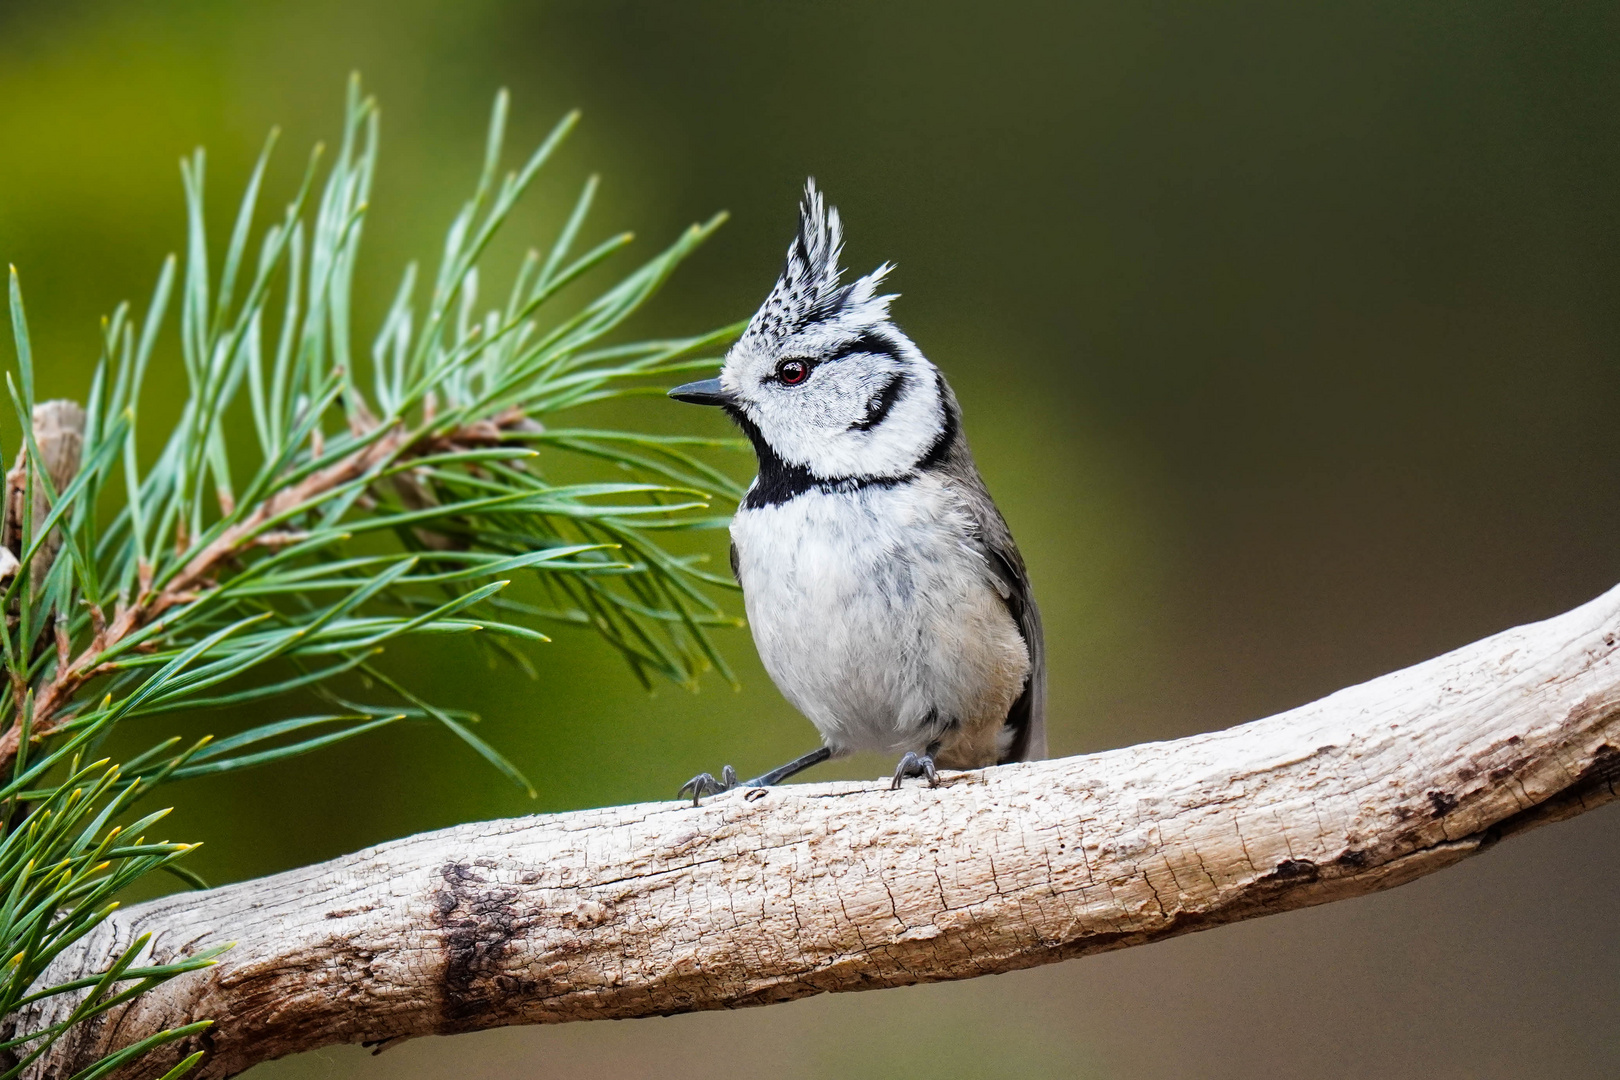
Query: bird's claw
{"points": [[705, 784], [914, 764]]}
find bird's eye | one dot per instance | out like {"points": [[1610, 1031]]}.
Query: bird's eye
{"points": [[792, 372]]}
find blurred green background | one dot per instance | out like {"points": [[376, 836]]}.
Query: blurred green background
{"points": [[1287, 336]]}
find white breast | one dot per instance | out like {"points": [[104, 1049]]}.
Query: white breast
{"points": [[876, 615]]}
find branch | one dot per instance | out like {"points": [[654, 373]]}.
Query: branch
{"points": [[55, 699], [764, 896]]}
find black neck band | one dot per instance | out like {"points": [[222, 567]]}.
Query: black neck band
{"points": [[780, 482]]}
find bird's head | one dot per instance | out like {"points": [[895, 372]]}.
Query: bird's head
{"points": [[821, 379]]}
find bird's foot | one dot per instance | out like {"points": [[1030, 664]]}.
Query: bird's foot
{"points": [[705, 784], [914, 764]]}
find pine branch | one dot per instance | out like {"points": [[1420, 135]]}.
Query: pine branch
{"points": [[198, 573], [368, 513], [440, 458]]}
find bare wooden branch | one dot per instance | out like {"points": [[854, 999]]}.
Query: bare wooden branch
{"points": [[763, 896]]}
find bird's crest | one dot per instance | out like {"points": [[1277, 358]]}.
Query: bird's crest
{"points": [[809, 290]]}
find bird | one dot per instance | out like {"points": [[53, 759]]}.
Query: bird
{"points": [[886, 597]]}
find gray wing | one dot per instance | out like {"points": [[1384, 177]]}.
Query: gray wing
{"points": [[1027, 717]]}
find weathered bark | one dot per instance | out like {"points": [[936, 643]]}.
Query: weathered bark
{"points": [[763, 896]]}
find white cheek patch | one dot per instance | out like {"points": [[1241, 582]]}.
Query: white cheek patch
{"points": [[879, 421]]}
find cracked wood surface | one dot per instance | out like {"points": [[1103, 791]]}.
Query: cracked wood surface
{"points": [[764, 896]]}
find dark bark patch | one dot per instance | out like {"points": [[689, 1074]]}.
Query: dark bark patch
{"points": [[1605, 767], [1444, 802], [1295, 870], [477, 923]]}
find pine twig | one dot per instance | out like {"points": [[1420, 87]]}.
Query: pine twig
{"points": [[51, 705]]}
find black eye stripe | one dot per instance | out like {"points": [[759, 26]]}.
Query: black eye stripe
{"points": [[882, 402], [869, 342]]}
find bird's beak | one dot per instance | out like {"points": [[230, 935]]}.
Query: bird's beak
{"points": [[707, 392]]}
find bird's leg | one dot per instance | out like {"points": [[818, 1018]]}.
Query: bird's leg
{"points": [[705, 783], [792, 768], [915, 764]]}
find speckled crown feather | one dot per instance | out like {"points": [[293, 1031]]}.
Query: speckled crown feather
{"points": [[809, 291]]}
